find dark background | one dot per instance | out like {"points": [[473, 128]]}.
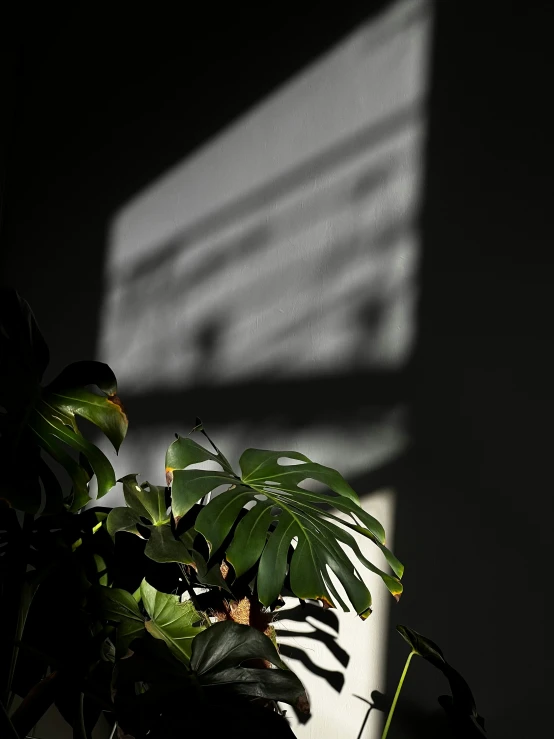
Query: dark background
{"points": [[100, 103]]}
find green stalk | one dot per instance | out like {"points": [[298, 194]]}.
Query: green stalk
{"points": [[395, 699]]}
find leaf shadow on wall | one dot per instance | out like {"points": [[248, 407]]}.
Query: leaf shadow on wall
{"points": [[319, 615]]}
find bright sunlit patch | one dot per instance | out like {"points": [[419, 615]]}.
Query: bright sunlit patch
{"points": [[287, 245], [363, 642]]}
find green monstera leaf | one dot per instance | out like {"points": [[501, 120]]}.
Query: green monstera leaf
{"points": [[281, 513], [120, 608], [174, 622], [224, 675], [166, 618], [146, 508], [219, 655], [44, 419]]}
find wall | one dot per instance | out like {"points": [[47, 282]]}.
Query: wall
{"points": [[265, 280], [473, 512], [343, 249]]}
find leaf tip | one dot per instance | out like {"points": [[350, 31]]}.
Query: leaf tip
{"points": [[117, 436], [131, 477], [303, 704], [116, 400]]}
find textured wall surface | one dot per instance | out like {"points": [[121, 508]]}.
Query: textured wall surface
{"points": [[334, 235], [253, 281]]}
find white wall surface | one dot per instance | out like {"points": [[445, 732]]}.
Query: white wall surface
{"points": [[255, 258]]}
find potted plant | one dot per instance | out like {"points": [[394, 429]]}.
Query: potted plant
{"points": [[159, 612]]}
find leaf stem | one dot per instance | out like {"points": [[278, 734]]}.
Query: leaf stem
{"points": [[395, 699], [200, 427], [192, 594]]}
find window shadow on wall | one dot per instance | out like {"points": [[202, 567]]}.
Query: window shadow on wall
{"points": [[156, 309], [105, 102]]}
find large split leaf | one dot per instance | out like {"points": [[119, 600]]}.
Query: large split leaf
{"points": [[218, 657], [282, 512], [175, 622], [43, 419]]}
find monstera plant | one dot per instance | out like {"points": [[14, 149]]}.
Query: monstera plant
{"points": [[262, 523], [158, 613], [39, 423], [241, 542], [38, 419]]}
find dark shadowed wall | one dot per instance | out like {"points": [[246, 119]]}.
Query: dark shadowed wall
{"points": [[479, 490]]}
